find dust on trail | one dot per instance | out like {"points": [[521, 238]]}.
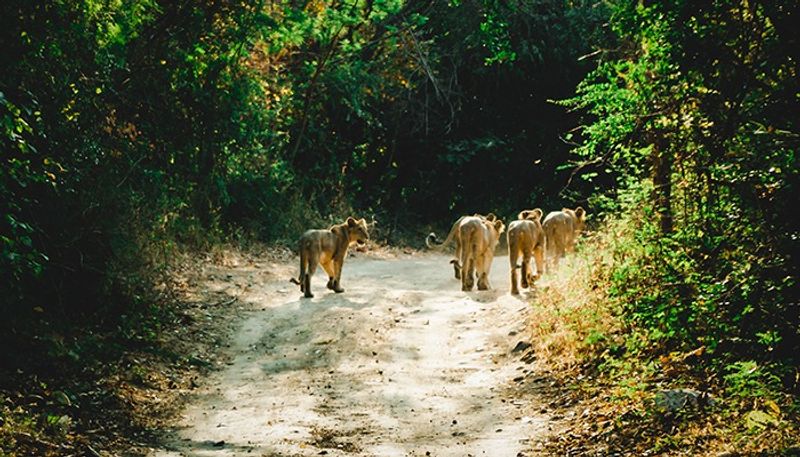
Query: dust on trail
{"points": [[401, 364]]}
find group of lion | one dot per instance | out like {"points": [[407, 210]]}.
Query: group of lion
{"points": [[476, 238]]}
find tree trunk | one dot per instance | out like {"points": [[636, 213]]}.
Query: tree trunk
{"points": [[662, 183]]}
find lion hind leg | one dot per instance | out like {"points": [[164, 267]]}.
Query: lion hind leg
{"points": [[483, 273], [559, 251], [512, 258], [552, 251], [472, 272], [467, 268], [484, 269], [457, 267], [311, 268], [301, 280], [468, 274], [525, 275], [538, 257], [483, 281]]}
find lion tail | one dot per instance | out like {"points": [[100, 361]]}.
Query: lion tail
{"points": [[431, 241]]}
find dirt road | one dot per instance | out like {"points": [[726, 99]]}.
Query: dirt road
{"points": [[401, 364]]}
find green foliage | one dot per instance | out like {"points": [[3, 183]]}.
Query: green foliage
{"points": [[747, 380], [690, 117], [494, 30], [21, 170], [134, 129]]}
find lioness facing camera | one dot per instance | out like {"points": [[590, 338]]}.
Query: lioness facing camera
{"points": [[328, 248]]}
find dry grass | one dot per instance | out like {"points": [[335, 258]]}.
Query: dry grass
{"points": [[572, 317]]}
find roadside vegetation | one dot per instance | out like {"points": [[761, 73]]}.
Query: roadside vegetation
{"points": [[138, 133], [689, 280]]}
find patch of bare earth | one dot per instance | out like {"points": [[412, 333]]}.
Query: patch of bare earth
{"points": [[403, 363], [152, 384]]}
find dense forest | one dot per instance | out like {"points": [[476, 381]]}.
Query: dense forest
{"points": [[136, 129], [136, 124]]}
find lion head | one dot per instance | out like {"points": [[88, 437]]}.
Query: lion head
{"points": [[531, 214], [578, 215], [358, 231], [497, 225]]}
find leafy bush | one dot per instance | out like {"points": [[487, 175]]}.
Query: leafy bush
{"points": [[709, 264]]}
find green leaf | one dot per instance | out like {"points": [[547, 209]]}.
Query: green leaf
{"points": [[760, 420]]}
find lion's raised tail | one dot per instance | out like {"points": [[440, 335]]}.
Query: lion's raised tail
{"points": [[431, 241]]}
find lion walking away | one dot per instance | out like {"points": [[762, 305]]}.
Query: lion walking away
{"points": [[561, 230], [526, 239], [479, 237], [431, 241]]}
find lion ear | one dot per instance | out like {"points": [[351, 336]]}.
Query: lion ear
{"points": [[580, 212], [491, 217], [498, 224], [351, 222], [531, 214]]}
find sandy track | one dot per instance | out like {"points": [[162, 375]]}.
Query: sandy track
{"points": [[403, 363]]}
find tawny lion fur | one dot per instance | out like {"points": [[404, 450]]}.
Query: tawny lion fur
{"points": [[479, 238], [455, 235], [526, 239], [328, 247], [561, 229]]}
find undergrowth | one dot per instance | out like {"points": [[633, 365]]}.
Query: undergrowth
{"points": [[649, 354]]}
